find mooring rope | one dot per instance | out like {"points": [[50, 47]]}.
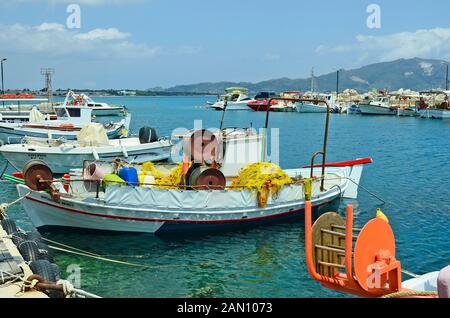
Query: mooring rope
{"points": [[411, 294], [106, 259], [6, 206]]}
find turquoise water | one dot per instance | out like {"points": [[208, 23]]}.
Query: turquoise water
{"points": [[410, 171]]}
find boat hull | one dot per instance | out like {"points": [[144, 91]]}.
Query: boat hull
{"points": [[435, 114], [237, 106], [62, 160], [14, 135], [307, 108], [45, 214], [165, 211], [367, 109]]}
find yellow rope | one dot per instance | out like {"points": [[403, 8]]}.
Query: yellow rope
{"points": [[410, 294]]}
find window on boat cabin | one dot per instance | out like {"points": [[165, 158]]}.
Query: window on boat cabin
{"points": [[74, 112], [234, 97], [98, 105], [61, 112]]}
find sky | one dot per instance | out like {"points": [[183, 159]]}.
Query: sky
{"points": [[140, 44]]}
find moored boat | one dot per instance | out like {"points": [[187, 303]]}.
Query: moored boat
{"points": [[224, 181], [92, 144], [70, 120], [236, 98], [98, 108], [379, 106]]}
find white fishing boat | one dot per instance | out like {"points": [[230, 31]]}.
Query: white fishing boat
{"points": [[379, 106], [70, 120], [236, 98], [310, 107], [98, 108], [92, 144], [223, 181]]}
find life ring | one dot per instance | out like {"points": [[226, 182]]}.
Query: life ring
{"points": [[66, 126]]}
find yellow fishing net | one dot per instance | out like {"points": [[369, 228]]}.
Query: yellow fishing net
{"points": [[262, 176], [176, 176]]}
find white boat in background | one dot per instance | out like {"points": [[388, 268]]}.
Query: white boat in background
{"points": [[98, 109], [316, 107], [379, 106], [236, 99], [68, 124], [18, 109], [92, 144]]}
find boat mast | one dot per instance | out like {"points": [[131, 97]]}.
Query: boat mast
{"points": [[312, 80], [337, 85], [446, 79]]}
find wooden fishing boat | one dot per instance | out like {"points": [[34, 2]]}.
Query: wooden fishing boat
{"points": [[224, 181]]}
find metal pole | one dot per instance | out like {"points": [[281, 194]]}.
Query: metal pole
{"points": [[446, 79], [337, 83], [3, 85]]}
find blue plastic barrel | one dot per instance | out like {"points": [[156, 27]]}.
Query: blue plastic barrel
{"points": [[130, 176]]}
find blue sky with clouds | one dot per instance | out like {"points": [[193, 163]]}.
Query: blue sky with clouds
{"points": [[147, 43]]}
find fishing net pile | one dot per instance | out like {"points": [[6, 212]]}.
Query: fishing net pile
{"points": [[170, 181], [263, 177]]}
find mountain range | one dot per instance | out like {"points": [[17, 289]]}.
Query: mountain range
{"points": [[416, 74]]}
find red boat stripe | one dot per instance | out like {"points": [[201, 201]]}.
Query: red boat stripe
{"points": [[169, 221], [351, 163]]}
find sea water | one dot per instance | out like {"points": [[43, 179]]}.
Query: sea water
{"points": [[411, 172]]}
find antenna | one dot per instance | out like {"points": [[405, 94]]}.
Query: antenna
{"points": [[48, 73]]}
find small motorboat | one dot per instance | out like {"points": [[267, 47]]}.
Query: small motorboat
{"points": [[70, 120], [98, 109], [236, 98], [92, 144], [379, 106], [362, 261]]}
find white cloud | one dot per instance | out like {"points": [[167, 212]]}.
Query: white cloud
{"points": [[103, 34], [425, 43], [81, 2], [52, 39]]}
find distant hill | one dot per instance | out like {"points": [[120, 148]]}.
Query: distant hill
{"points": [[416, 74]]}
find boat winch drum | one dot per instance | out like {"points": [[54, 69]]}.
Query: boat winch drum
{"points": [[147, 135], [202, 146], [34, 171], [204, 178]]}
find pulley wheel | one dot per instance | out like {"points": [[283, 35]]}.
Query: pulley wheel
{"points": [[204, 178], [326, 222], [34, 171], [376, 236], [202, 146]]}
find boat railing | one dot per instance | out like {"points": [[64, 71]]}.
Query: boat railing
{"points": [[325, 138]]}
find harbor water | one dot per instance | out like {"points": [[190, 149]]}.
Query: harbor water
{"points": [[410, 172]]}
